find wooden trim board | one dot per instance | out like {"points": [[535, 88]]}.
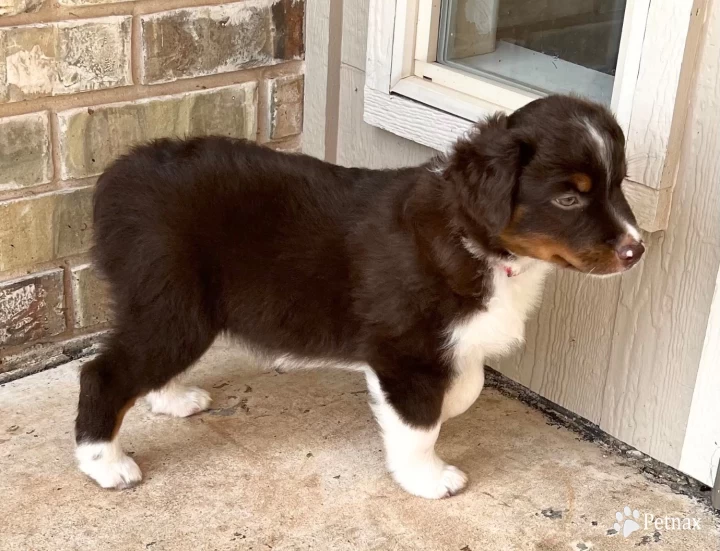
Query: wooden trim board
{"points": [[657, 60]]}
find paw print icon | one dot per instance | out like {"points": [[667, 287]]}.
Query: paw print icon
{"points": [[627, 521]]}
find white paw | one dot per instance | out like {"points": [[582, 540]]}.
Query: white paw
{"points": [[179, 401], [432, 481], [107, 464]]}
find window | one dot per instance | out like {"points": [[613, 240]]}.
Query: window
{"points": [[435, 66], [545, 46]]}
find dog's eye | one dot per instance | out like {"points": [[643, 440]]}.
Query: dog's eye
{"points": [[567, 201]]}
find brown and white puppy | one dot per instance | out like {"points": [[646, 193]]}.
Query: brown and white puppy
{"points": [[414, 276]]}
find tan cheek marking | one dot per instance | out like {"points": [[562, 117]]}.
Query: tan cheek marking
{"points": [[582, 182], [518, 214], [546, 248], [540, 246], [599, 259]]}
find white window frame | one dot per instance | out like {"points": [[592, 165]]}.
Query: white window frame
{"points": [[409, 94]]}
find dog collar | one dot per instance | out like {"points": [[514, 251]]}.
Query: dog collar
{"points": [[502, 261], [509, 269]]}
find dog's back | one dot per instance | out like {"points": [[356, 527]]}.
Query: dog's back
{"points": [[232, 235]]}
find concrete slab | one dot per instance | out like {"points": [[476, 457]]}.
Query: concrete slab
{"points": [[294, 461]]}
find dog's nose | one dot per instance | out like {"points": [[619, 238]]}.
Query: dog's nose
{"points": [[629, 250]]}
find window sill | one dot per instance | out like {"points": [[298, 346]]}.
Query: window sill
{"points": [[538, 70]]}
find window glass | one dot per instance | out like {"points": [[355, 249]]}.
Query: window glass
{"points": [[542, 45]]}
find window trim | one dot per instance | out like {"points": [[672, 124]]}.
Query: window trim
{"points": [[657, 60]]}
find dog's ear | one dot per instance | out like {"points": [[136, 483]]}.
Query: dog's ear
{"points": [[485, 168]]}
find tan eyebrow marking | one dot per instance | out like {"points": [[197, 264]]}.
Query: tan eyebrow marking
{"points": [[581, 181]]}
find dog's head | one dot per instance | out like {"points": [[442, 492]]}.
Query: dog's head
{"points": [[545, 182]]}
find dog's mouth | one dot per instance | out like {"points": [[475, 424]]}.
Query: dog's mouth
{"points": [[563, 263], [575, 263], [598, 261], [598, 269]]}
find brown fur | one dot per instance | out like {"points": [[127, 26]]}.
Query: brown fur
{"points": [[294, 255]]}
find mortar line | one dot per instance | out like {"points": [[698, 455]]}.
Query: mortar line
{"points": [[130, 93], [55, 13]]}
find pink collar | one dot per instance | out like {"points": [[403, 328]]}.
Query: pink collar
{"points": [[510, 267], [477, 251]]}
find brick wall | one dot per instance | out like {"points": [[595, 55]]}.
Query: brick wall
{"points": [[80, 82]]}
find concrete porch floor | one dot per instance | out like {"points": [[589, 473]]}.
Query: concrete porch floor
{"points": [[294, 461]]}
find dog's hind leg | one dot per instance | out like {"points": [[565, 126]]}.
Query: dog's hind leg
{"points": [[105, 396], [143, 355], [178, 400], [410, 420]]}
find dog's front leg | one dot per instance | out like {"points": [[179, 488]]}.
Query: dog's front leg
{"points": [[409, 415]]}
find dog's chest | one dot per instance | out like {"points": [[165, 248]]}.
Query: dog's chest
{"points": [[500, 325]]}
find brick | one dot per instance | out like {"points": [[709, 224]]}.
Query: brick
{"points": [[207, 40], [15, 7], [45, 227], [286, 106], [90, 297], [64, 57], [41, 356], [25, 158], [91, 138], [31, 308]]}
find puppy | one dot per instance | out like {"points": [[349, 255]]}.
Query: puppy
{"points": [[414, 276]]}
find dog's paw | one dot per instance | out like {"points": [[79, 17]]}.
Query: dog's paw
{"points": [[179, 401], [107, 464], [432, 482]]}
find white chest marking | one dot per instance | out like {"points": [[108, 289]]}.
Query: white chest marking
{"points": [[501, 325], [492, 332]]}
